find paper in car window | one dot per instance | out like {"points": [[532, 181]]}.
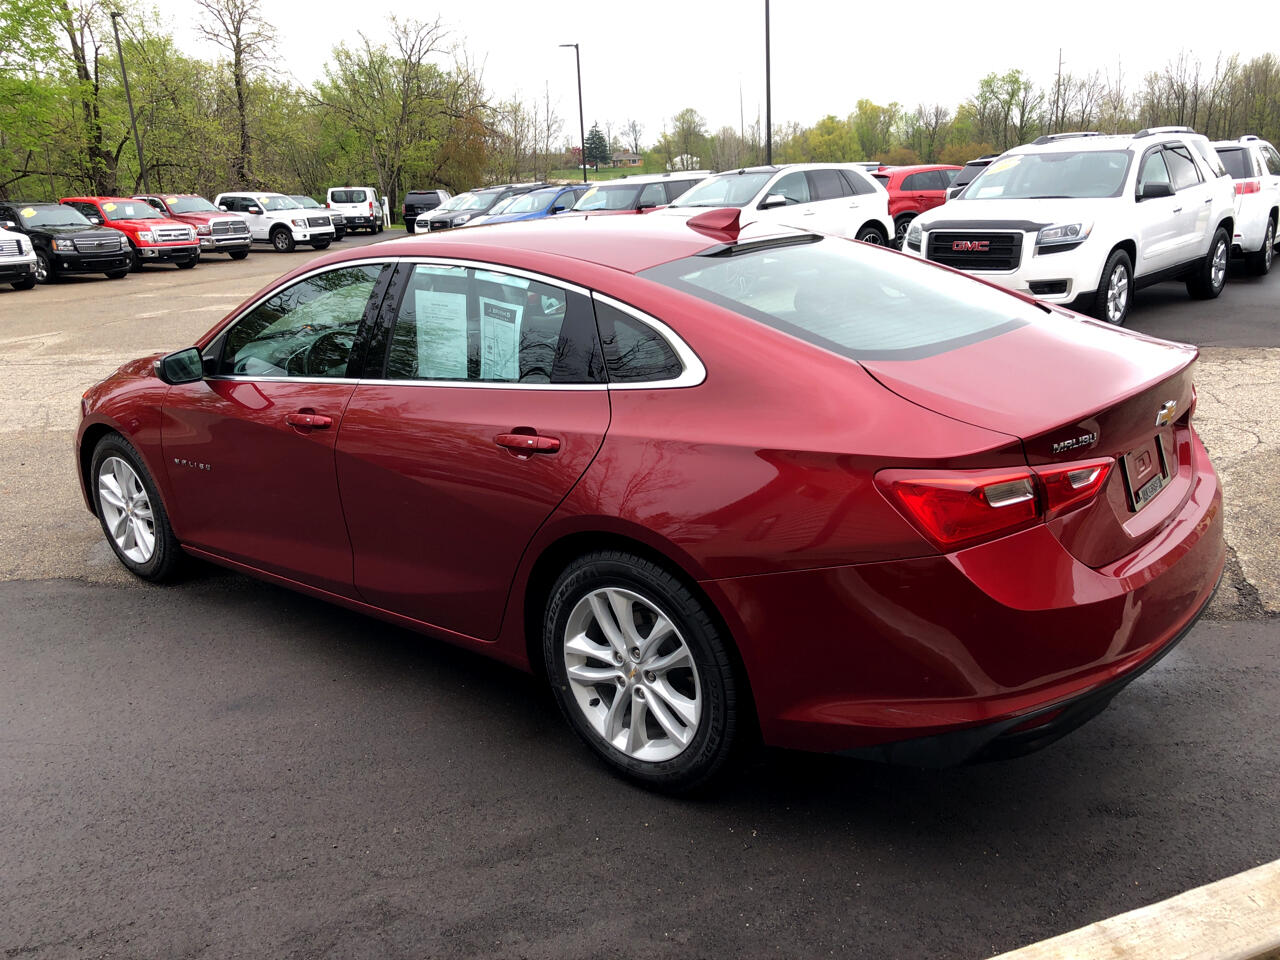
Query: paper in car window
{"points": [[170, 199], [108, 207], [27, 212], [1008, 163], [442, 334], [499, 337]]}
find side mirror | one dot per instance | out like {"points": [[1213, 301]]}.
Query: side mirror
{"points": [[255, 209], [1152, 190], [8, 225], [558, 208], [185, 366], [222, 207], [95, 221], [773, 200]]}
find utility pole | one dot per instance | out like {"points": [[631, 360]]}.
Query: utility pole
{"points": [[582, 126], [133, 121], [768, 93]]}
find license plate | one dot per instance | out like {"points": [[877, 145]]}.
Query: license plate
{"points": [[1145, 472]]}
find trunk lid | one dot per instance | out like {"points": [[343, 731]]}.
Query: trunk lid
{"points": [[1073, 389]]}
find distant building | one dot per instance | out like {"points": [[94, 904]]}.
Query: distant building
{"points": [[684, 162], [626, 158]]}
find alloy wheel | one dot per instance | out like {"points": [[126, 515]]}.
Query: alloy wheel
{"points": [[42, 269], [1117, 294], [1218, 275], [126, 508], [632, 674]]}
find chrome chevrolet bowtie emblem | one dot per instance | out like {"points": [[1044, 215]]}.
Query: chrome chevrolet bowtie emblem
{"points": [[1167, 413]]}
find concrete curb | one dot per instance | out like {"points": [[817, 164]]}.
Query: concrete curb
{"points": [[1237, 918]]}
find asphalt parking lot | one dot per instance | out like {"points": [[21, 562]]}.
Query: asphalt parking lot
{"points": [[221, 768]]}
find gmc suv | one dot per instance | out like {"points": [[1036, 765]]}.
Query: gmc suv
{"points": [[1254, 165], [1083, 220]]}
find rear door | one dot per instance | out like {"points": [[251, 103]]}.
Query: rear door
{"points": [[1194, 211], [833, 200], [249, 450], [489, 406]]}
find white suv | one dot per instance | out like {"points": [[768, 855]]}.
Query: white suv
{"points": [[279, 220], [835, 198], [1254, 165], [1083, 220], [17, 260]]}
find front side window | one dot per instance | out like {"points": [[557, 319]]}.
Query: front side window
{"points": [[1272, 158], [306, 330], [859, 303], [652, 196], [1154, 170], [1181, 167], [470, 325], [794, 187]]}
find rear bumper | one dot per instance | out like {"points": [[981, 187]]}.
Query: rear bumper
{"points": [[863, 658]]}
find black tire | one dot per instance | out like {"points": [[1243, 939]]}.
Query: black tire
{"points": [[900, 227], [1260, 263], [1209, 276], [117, 274], [408, 227], [872, 234], [166, 554], [707, 754], [44, 269], [187, 264], [25, 284], [1118, 261], [282, 240], [135, 259], [320, 244], [238, 254]]}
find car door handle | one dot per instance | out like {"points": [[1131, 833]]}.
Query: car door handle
{"points": [[808, 213], [1177, 209], [1208, 199], [526, 443], [308, 421]]}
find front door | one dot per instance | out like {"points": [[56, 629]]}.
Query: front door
{"points": [[250, 450], [490, 406], [1157, 218]]}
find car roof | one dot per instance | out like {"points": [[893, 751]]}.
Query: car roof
{"points": [[627, 244], [916, 168]]}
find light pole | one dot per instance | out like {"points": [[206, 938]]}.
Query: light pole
{"points": [[582, 127], [768, 94], [133, 122]]}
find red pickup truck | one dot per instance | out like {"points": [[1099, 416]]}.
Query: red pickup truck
{"points": [[218, 231], [153, 237]]}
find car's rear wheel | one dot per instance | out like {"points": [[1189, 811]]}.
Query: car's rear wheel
{"points": [[641, 671], [870, 234], [239, 254], [1210, 275], [282, 240], [44, 270], [130, 510], [900, 228], [1260, 262], [1115, 289]]}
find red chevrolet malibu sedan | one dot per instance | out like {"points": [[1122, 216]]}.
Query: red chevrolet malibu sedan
{"points": [[711, 482]]}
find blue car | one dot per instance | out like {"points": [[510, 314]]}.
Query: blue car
{"points": [[535, 205]]}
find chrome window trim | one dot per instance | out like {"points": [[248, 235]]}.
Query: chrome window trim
{"points": [[694, 372]]}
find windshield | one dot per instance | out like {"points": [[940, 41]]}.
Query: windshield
{"points": [[52, 215], [190, 205], [1042, 176], [527, 203], [862, 303], [476, 201], [612, 196], [277, 203], [502, 206], [130, 210], [452, 203], [1236, 160], [307, 202], [729, 190]]}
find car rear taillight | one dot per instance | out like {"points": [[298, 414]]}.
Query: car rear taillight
{"points": [[960, 508], [1248, 186]]}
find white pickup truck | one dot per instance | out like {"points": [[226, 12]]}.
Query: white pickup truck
{"points": [[279, 220]]}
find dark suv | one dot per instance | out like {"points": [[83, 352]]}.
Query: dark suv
{"points": [[465, 207], [65, 242], [967, 173], [417, 202]]}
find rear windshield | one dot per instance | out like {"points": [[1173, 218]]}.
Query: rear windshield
{"points": [[1236, 160], [859, 302], [1053, 175], [348, 196]]}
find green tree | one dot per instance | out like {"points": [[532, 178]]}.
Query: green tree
{"points": [[597, 147]]}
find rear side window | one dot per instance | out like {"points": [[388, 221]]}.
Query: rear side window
{"points": [[1272, 158], [633, 351], [1210, 157], [917, 181], [862, 304], [862, 185], [1182, 168], [467, 324], [828, 185], [1237, 162]]}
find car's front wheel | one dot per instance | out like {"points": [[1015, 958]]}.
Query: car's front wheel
{"points": [[641, 671], [282, 240], [408, 227], [1210, 275], [186, 264], [130, 510], [116, 274], [44, 269], [1115, 289], [1260, 262], [239, 254], [320, 244], [24, 284]]}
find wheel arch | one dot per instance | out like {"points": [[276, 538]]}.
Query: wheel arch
{"points": [[89, 441], [876, 224], [559, 553]]}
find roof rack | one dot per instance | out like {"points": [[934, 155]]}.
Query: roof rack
{"points": [[1248, 137], [1053, 137], [1152, 131]]}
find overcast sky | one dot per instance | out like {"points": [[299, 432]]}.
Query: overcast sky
{"points": [[648, 61]]}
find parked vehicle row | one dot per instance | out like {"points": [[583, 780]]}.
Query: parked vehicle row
{"points": [[1084, 220]]}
